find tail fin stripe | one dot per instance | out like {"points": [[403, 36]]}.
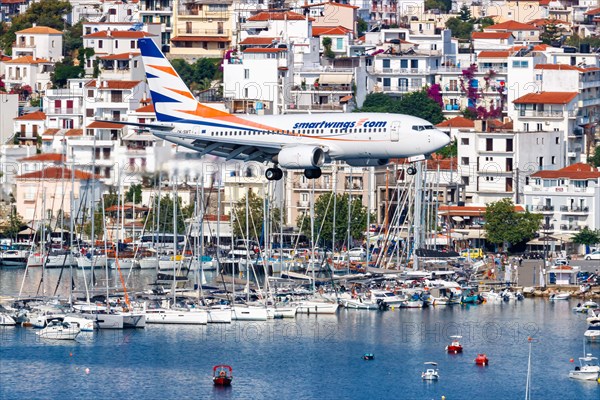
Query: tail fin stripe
{"points": [[149, 75], [161, 98], [183, 93], [168, 70]]}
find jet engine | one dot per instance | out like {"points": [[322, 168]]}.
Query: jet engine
{"points": [[300, 157], [367, 162]]}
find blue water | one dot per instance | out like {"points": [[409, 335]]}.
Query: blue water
{"points": [[311, 357]]}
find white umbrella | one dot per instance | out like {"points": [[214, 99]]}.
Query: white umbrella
{"points": [[542, 278]]}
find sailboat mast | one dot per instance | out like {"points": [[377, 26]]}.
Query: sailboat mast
{"points": [[247, 247], [72, 224], [175, 238]]}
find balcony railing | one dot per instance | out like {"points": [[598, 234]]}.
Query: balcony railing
{"points": [[542, 208], [302, 204], [64, 110], [203, 32], [574, 209], [323, 107], [401, 71]]}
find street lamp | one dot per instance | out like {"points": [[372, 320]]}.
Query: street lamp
{"points": [[546, 228]]}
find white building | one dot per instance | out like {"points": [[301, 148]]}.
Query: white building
{"points": [[28, 71], [64, 108], [28, 127], [494, 163], [569, 198], [39, 42]]}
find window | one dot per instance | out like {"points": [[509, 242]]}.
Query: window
{"points": [[553, 160], [132, 44], [340, 43], [246, 74], [386, 82], [116, 44], [540, 128], [89, 112], [188, 27], [403, 84], [540, 162], [465, 180], [116, 96], [489, 144], [556, 140], [464, 160], [386, 63], [538, 77], [509, 184], [100, 44], [414, 64], [526, 126], [509, 145], [509, 164], [520, 63], [464, 141], [403, 63]]}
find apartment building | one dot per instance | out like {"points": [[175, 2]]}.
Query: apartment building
{"points": [[39, 42], [158, 12], [28, 71], [522, 33], [28, 127], [64, 108]]}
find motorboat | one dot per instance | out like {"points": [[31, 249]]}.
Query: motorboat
{"points": [[6, 320], [455, 347], [482, 359], [387, 298], [316, 307], [430, 374], [585, 307], [588, 369], [222, 375], [559, 296], [59, 330], [508, 295], [592, 334], [368, 356], [470, 295], [43, 320]]}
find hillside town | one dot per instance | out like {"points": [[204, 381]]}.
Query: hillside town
{"points": [[514, 84]]}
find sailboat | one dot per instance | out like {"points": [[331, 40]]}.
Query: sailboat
{"points": [[588, 369]]}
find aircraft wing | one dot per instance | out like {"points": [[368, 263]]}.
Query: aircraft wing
{"points": [[221, 147]]}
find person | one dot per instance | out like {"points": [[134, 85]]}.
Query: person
{"points": [[222, 374]]}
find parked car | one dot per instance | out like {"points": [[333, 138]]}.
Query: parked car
{"points": [[594, 255], [357, 254]]}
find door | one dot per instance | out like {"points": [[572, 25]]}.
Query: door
{"points": [[395, 131]]}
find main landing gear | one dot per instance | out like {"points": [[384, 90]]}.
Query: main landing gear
{"points": [[314, 173], [411, 170], [273, 174]]}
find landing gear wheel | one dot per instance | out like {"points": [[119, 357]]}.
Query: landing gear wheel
{"points": [[313, 173], [411, 170], [273, 174]]}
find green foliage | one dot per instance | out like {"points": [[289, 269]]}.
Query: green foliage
{"points": [[98, 226], [418, 104], [503, 225], [199, 75], [134, 193], [485, 22], [35, 102], [255, 217], [465, 13], [14, 224], [165, 225], [469, 113], [449, 151], [65, 70], [587, 236], [551, 32], [460, 29], [73, 39], [595, 159], [442, 5], [327, 52], [43, 13], [324, 217], [575, 40], [361, 26]]}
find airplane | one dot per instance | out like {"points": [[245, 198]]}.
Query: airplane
{"points": [[288, 141]]}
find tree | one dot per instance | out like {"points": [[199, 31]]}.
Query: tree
{"points": [[43, 13], [449, 151], [419, 104], [197, 74], [587, 237], [73, 39], [442, 5], [465, 13], [15, 224], [595, 159], [65, 70], [550, 33], [504, 225], [255, 217], [361, 26], [323, 225], [460, 29], [377, 102], [98, 226], [485, 22], [134, 193], [165, 225], [327, 52]]}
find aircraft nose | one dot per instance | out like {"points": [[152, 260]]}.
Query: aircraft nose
{"points": [[440, 139]]}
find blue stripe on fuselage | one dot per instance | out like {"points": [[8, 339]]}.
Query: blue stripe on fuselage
{"points": [[149, 48]]}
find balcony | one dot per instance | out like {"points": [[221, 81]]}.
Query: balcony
{"points": [[589, 102], [203, 32], [64, 111], [589, 84], [542, 114], [574, 210], [543, 208], [302, 204], [401, 71], [314, 107]]}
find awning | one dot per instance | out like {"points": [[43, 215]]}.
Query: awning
{"points": [[200, 39], [335, 79]]}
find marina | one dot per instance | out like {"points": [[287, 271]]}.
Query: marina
{"points": [[402, 338]]}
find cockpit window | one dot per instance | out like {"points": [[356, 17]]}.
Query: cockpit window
{"points": [[422, 127]]}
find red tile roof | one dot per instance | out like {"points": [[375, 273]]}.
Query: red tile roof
{"points": [[331, 4], [445, 164], [278, 16], [593, 11], [258, 40], [511, 26], [491, 35], [104, 125], [27, 60], [74, 132], [12, 1], [457, 122], [5, 58], [118, 35], [146, 109], [537, 47], [263, 50], [34, 116], [200, 39], [493, 54], [565, 67], [548, 21], [113, 84], [544, 2], [574, 172], [547, 98], [49, 157], [56, 173], [51, 131], [122, 56], [41, 30], [328, 30]]}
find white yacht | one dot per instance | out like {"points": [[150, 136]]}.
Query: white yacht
{"points": [[59, 330], [316, 307], [592, 334], [588, 369], [6, 320], [220, 314], [430, 374], [240, 312], [176, 316]]}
